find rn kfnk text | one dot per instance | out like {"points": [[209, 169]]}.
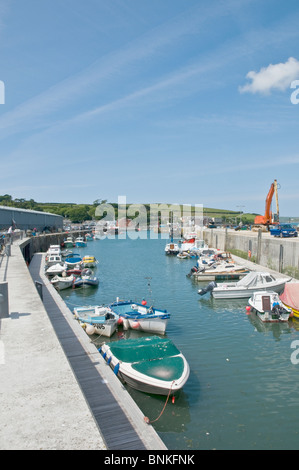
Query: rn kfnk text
{"points": [[2, 92]]}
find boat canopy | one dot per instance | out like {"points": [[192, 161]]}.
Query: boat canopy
{"points": [[143, 349], [256, 279], [290, 295]]}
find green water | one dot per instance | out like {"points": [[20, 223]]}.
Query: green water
{"points": [[242, 392]]}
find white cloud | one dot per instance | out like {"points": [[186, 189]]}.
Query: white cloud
{"points": [[273, 77]]}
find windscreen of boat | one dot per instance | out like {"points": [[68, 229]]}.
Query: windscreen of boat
{"points": [[143, 349]]}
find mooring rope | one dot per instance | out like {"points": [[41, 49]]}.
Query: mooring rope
{"points": [[147, 420]]}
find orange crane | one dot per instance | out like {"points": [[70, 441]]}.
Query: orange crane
{"points": [[268, 218]]}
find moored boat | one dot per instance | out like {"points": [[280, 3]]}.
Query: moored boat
{"points": [[55, 269], [150, 364], [86, 279], [252, 282], [96, 319], [290, 297], [269, 307], [69, 242], [52, 259], [62, 282], [172, 248], [73, 260], [89, 261], [140, 317], [80, 242], [222, 271]]}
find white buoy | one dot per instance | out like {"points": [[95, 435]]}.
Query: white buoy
{"points": [[90, 329]]}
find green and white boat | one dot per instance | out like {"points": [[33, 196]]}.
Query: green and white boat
{"points": [[150, 364]]}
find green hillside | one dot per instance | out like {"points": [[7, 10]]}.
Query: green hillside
{"points": [[81, 212]]}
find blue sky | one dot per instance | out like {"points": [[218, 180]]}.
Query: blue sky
{"points": [[160, 101]]}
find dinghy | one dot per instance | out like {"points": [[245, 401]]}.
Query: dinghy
{"points": [[86, 279], [62, 282], [151, 364], [96, 319]]}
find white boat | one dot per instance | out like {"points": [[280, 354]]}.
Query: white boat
{"points": [[52, 259], [54, 250], [62, 282], [96, 319], [55, 269], [252, 282], [220, 271], [189, 243], [269, 307], [140, 317], [172, 248], [150, 365]]}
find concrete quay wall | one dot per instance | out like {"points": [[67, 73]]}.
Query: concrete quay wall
{"points": [[278, 254]]}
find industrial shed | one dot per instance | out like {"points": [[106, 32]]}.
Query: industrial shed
{"points": [[25, 219]]}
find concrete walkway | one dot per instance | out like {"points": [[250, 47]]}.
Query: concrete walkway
{"points": [[42, 406]]}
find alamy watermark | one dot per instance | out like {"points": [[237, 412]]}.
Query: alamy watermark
{"points": [[151, 221], [2, 92], [294, 96]]}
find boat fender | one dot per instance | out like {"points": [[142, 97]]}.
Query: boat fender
{"points": [[116, 369], [109, 360]]}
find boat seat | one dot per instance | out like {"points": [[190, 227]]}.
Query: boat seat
{"points": [[266, 303]]}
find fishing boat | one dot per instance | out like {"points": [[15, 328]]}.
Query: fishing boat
{"points": [[252, 282], [89, 261], [52, 259], [53, 250], [189, 243], [290, 297], [63, 282], [151, 364], [80, 242], [96, 319], [68, 242], [73, 260], [269, 307], [86, 279], [172, 248], [140, 317]]}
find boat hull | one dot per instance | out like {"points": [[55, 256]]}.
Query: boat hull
{"points": [[225, 276], [242, 293], [156, 375], [139, 317], [97, 320], [149, 325]]}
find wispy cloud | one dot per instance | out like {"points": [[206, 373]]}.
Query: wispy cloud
{"points": [[273, 77], [35, 113]]}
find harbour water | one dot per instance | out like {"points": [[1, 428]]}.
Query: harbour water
{"points": [[243, 390]]}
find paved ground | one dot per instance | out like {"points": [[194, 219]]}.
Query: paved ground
{"points": [[41, 403]]}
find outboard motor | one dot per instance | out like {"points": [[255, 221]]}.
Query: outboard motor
{"points": [[208, 288], [192, 271]]}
